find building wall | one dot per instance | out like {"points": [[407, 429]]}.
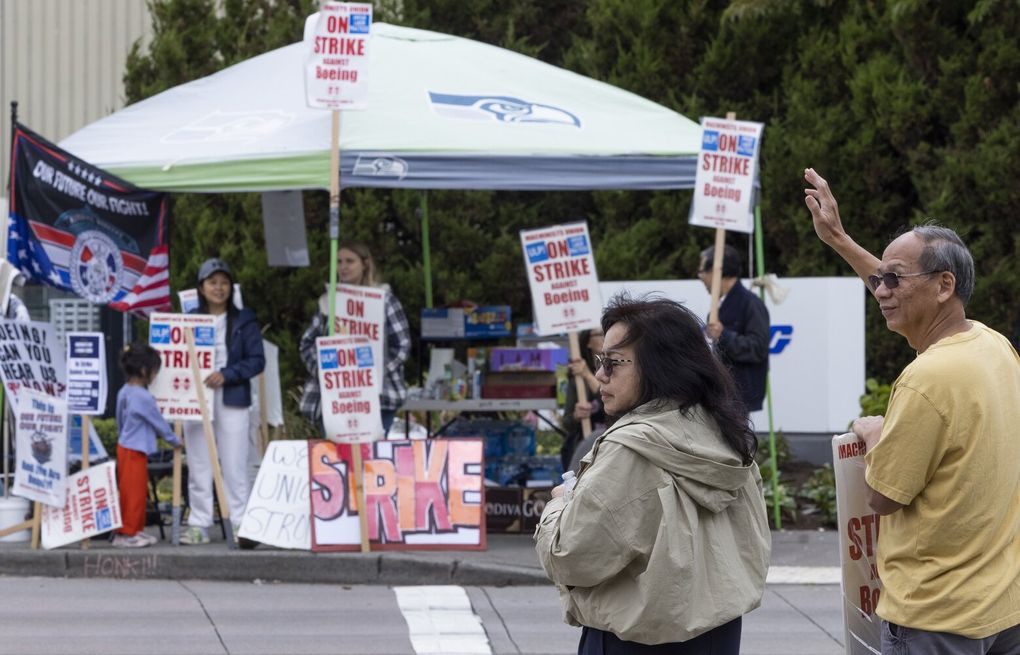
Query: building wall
{"points": [[63, 62]]}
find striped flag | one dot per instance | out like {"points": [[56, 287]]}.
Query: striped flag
{"points": [[79, 229]]}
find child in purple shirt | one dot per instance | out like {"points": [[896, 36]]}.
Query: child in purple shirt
{"points": [[139, 423]]}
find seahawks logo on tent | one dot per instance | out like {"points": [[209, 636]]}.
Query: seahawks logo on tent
{"points": [[505, 109]]}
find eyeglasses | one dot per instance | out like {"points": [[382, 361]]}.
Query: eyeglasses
{"points": [[607, 363], [892, 280]]}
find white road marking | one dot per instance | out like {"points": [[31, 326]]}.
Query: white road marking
{"points": [[803, 575], [440, 621]]}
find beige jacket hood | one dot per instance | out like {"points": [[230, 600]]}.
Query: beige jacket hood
{"points": [[665, 536]]}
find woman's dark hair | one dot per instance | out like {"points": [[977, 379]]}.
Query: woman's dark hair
{"points": [[139, 360], [675, 363], [583, 337]]}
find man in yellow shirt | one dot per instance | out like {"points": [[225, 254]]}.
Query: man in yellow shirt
{"points": [[943, 465]]}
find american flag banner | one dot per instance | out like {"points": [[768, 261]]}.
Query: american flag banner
{"points": [[78, 228]]}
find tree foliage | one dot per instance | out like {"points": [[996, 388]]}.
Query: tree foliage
{"points": [[908, 107]]}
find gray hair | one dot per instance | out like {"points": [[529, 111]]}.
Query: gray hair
{"points": [[944, 250]]}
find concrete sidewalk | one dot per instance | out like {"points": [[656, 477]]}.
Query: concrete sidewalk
{"points": [[798, 557]]}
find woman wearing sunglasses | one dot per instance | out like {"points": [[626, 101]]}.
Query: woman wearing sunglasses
{"points": [[663, 544]]}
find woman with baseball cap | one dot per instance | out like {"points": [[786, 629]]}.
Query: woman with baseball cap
{"points": [[238, 358]]}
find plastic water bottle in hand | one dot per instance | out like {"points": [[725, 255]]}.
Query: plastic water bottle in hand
{"points": [[569, 480]]}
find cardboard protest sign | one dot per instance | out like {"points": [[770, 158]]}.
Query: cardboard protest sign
{"points": [[174, 387], [278, 507], [31, 358], [418, 494], [91, 507], [562, 278], [360, 312], [336, 70], [86, 373], [41, 451], [858, 544], [349, 384], [724, 180]]}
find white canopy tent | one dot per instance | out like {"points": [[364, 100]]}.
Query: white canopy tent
{"points": [[443, 113]]}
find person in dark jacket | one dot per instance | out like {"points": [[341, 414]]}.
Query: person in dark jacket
{"points": [[741, 335], [238, 358]]}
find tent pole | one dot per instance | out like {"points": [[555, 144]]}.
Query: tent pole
{"points": [[759, 256], [334, 216], [426, 255]]}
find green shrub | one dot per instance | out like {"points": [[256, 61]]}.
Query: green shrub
{"points": [[820, 491], [876, 398]]}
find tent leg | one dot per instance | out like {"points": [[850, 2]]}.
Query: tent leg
{"points": [[426, 255]]}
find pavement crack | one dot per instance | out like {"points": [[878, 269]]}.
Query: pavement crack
{"points": [[206, 612], [502, 622], [811, 620]]}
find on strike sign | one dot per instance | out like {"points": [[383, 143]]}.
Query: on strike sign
{"points": [[349, 383], [174, 387], [91, 507], [561, 274], [858, 544], [337, 64], [727, 165]]}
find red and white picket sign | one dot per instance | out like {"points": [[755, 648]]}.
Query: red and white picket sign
{"points": [[336, 70], [858, 546], [564, 286], [349, 385], [724, 179], [174, 387]]}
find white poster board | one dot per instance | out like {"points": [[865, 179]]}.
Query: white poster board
{"points": [[560, 262], [273, 402], [349, 385], [174, 387], [86, 373], [724, 180], [92, 507], [41, 451], [336, 70], [279, 505], [361, 312], [858, 544], [30, 357]]}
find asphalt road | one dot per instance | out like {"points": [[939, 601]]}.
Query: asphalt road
{"points": [[53, 616]]}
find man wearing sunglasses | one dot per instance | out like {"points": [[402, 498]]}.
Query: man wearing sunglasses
{"points": [[741, 334], [943, 465]]}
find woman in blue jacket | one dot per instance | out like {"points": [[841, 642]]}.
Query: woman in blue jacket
{"points": [[238, 358]]}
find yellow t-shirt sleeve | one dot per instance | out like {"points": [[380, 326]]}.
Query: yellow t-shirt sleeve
{"points": [[912, 444]]}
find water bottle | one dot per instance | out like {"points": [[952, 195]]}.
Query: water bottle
{"points": [[569, 480]]}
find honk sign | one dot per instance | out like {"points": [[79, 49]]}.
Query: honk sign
{"points": [[858, 545]]}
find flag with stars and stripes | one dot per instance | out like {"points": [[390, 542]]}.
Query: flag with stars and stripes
{"points": [[78, 228]]}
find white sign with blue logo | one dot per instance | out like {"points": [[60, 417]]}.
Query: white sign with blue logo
{"points": [[91, 507], [349, 384], [174, 387], [86, 373], [561, 275], [41, 451], [336, 70], [727, 168]]}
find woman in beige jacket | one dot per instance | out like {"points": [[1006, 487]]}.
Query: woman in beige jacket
{"points": [[663, 544]]}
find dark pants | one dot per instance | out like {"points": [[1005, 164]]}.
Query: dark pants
{"points": [[724, 640]]}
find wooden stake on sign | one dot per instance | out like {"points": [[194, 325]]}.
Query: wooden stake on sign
{"points": [[210, 440], [263, 417], [175, 521], [359, 491], [720, 243], [582, 386], [85, 422], [36, 524], [18, 527]]}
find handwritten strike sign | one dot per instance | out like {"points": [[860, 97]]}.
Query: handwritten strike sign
{"points": [[562, 278], [91, 507], [349, 384], [278, 507], [336, 69], [418, 494], [41, 462], [727, 165], [174, 387], [858, 542], [31, 358]]}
